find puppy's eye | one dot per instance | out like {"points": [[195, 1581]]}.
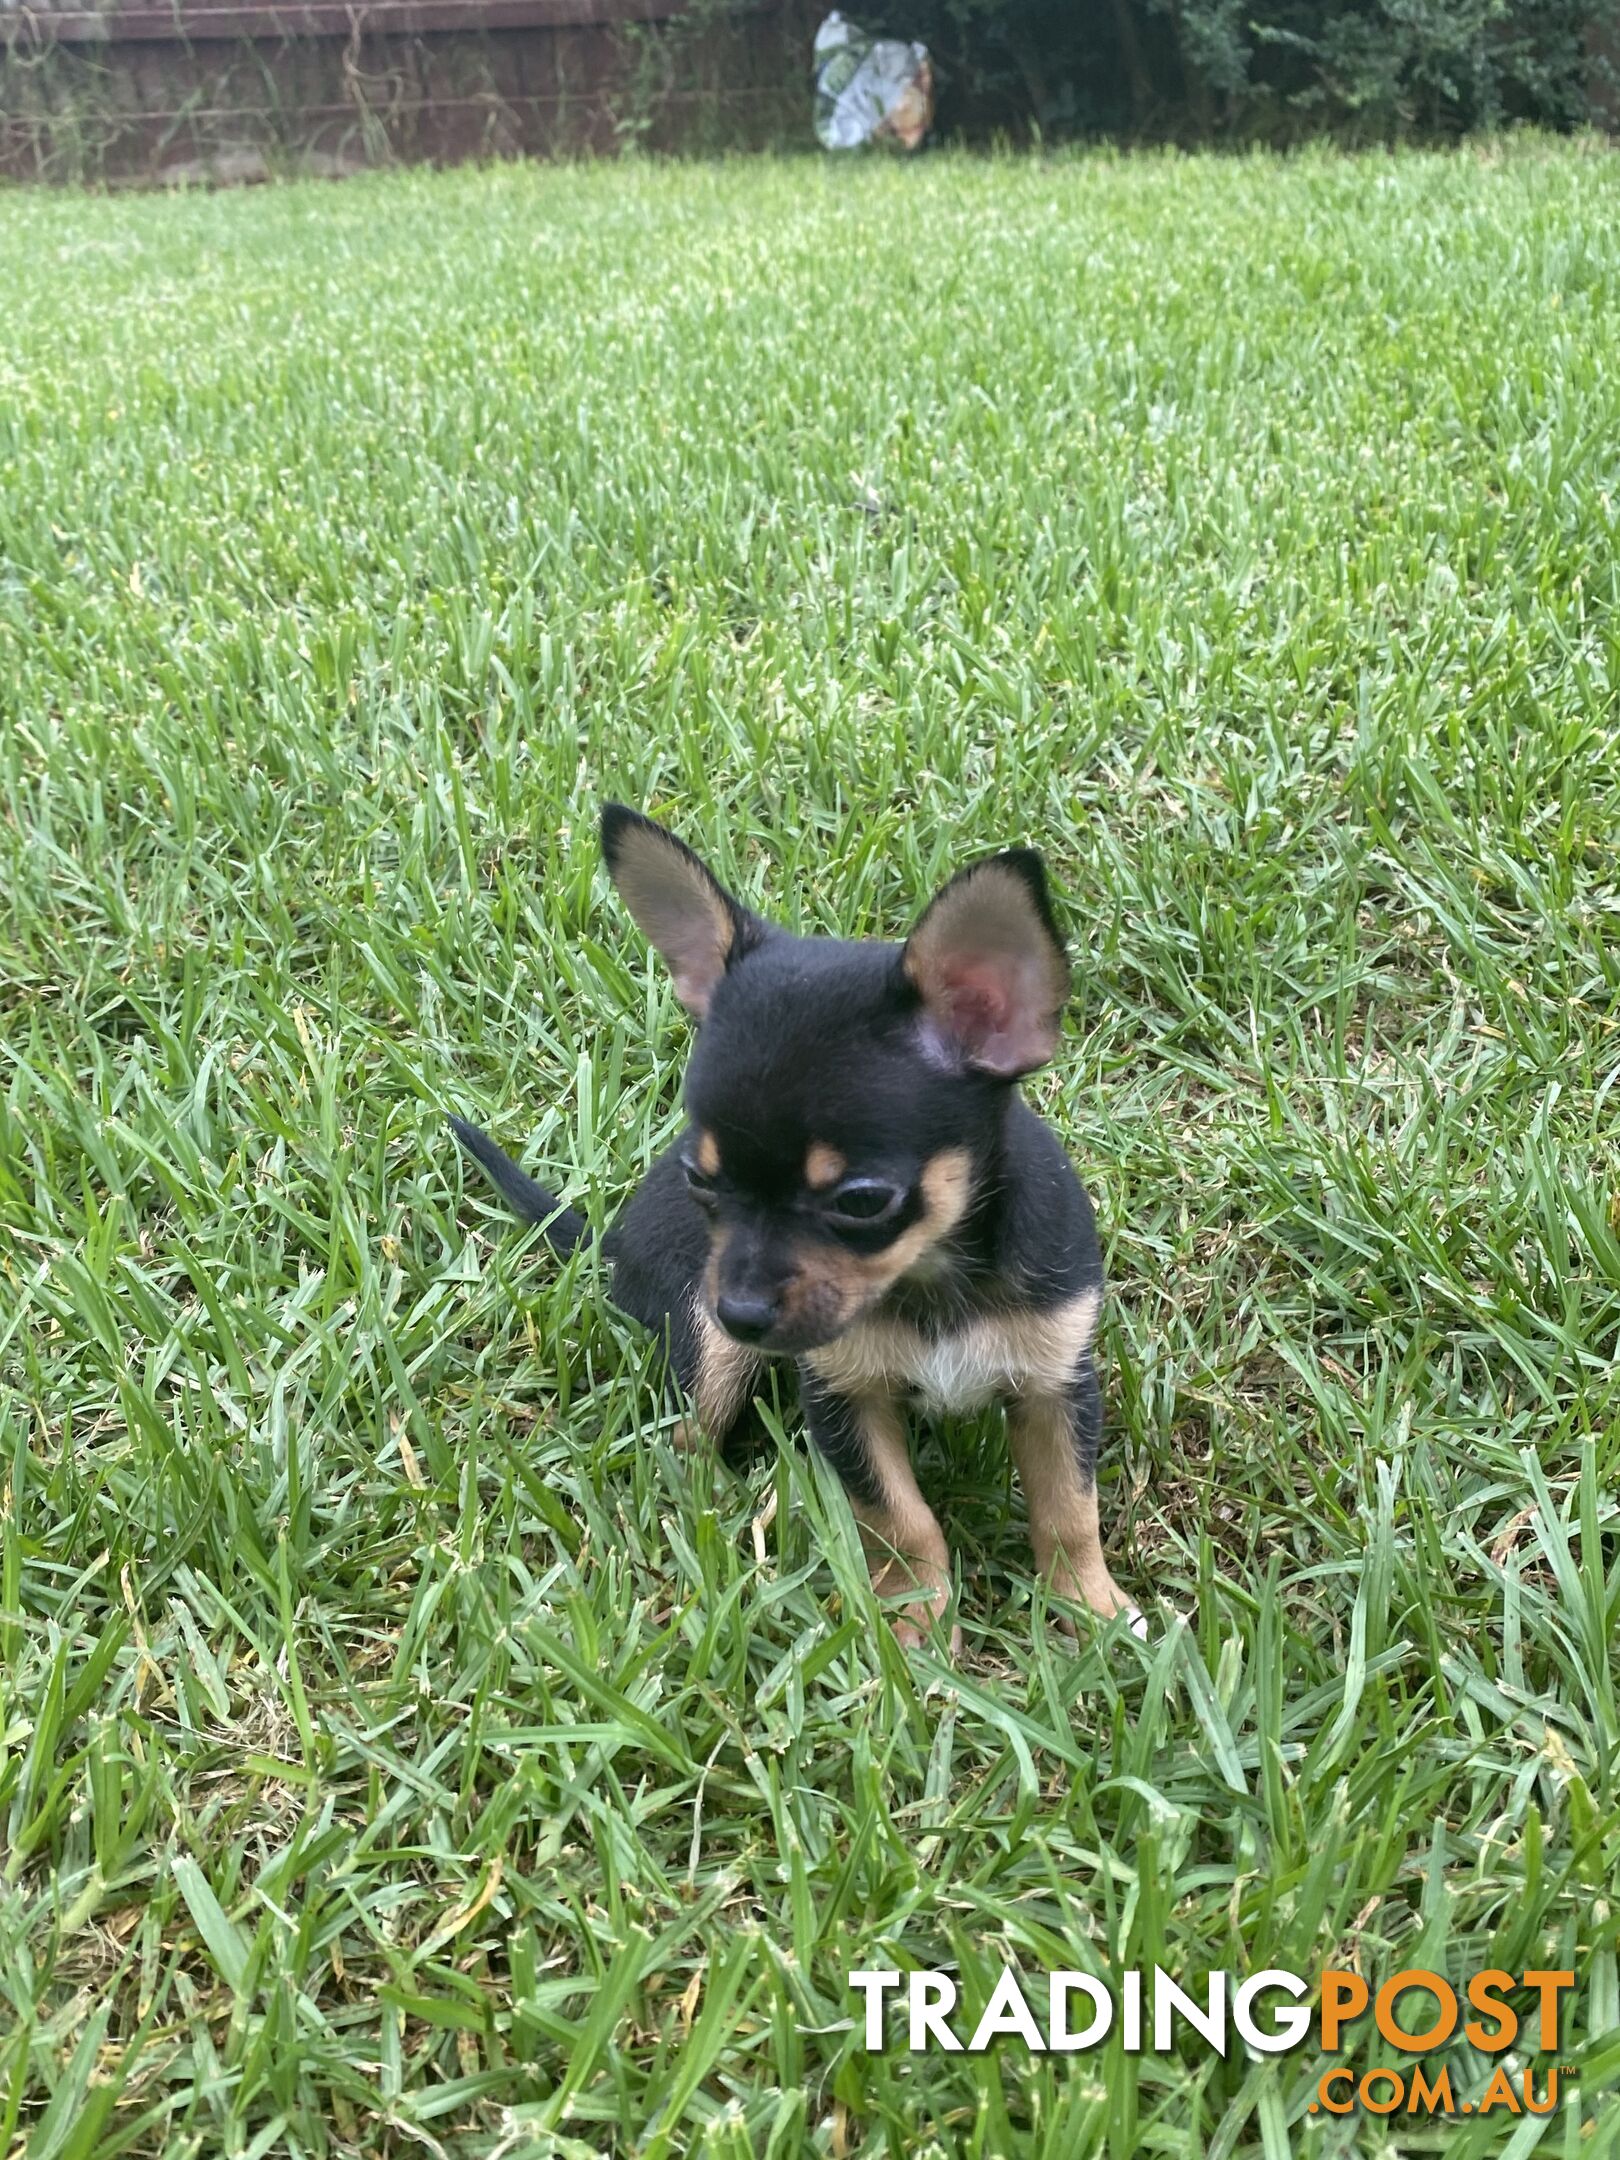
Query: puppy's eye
{"points": [[864, 1201], [700, 1187]]}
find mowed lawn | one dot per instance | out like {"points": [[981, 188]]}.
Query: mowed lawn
{"points": [[406, 1750]]}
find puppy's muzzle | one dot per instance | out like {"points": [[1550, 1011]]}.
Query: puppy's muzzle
{"points": [[748, 1318], [775, 1327]]}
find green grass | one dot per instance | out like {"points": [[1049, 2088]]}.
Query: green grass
{"points": [[402, 1748]]}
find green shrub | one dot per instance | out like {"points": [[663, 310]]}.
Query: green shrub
{"points": [[1274, 69]]}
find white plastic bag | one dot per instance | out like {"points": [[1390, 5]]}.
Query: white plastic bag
{"points": [[870, 89]]}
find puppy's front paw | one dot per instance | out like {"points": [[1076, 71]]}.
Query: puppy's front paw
{"points": [[914, 1624], [1096, 1588]]}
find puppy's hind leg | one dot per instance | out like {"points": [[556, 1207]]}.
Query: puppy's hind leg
{"points": [[864, 1440]]}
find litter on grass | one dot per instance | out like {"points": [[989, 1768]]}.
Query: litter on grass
{"points": [[870, 89]]}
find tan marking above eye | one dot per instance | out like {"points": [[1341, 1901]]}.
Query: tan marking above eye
{"points": [[823, 1166], [708, 1154], [946, 1181]]}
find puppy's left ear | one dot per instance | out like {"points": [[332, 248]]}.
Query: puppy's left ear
{"points": [[988, 963], [680, 906]]}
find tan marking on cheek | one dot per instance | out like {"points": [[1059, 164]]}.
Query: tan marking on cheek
{"points": [[718, 1241], [823, 1166], [833, 1286], [830, 1286], [821, 1294], [726, 1373], [947, 1184], [708, 1154]]}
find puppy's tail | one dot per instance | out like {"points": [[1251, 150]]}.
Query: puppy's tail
{"points": [[565, 1228]]}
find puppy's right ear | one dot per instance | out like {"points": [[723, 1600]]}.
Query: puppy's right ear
{"points": [[681, 908], [988, 964]]}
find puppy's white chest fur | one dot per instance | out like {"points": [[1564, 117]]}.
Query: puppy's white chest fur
{"points": [[1007, 1354], [962, 1372]]}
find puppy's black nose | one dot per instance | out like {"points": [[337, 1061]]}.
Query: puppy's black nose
{"points": [[750, 1319]]}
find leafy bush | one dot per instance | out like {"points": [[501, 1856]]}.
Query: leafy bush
{"points": [[1272, 69]]}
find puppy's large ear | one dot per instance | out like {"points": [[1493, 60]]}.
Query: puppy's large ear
{"points": [[988, 963], [682, 910]]}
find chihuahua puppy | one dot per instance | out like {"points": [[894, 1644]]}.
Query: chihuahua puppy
{"points": [[861, 1189]]}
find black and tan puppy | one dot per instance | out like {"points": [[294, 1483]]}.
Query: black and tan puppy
{"points": [[861, 1189]]}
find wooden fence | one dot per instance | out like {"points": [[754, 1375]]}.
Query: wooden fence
{"points": [[171, 89]]}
